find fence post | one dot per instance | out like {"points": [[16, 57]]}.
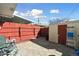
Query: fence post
{"points": [[34, 32], [19, 32]]}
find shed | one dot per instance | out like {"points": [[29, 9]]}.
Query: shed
{"points": [[66, 34]]}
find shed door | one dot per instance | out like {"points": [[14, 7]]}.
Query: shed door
{"points": [[62, 30]]}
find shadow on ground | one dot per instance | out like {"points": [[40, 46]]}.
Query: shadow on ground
{"points": [[66, 51]]}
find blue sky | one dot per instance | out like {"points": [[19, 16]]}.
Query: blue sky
{"points": [[47, 11]]}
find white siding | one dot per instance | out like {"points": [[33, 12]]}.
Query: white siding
{"points": [[53, 33]]}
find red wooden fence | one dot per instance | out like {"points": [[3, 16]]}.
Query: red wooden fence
{"points": [[21, 32]]}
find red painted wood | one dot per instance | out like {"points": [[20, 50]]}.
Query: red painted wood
{"points": [[27, 29], [8, 30], [15, 30], [14, 34], [18, 39], [10, 34], [26, 26], [26, 38], [27, 33], [14, 25], [62, 30]]}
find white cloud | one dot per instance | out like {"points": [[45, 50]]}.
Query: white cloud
{"points": [[72, 19], [43, 16], [40, 16], [17, 13], [22, 14], [56, 11], [36, 12], [28, 13], [32, 13], [55, 18]]}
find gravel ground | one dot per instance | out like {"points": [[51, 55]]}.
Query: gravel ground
{"points": [[41, 47]]}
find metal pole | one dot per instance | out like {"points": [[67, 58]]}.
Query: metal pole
{"points": [[38, 20]]}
